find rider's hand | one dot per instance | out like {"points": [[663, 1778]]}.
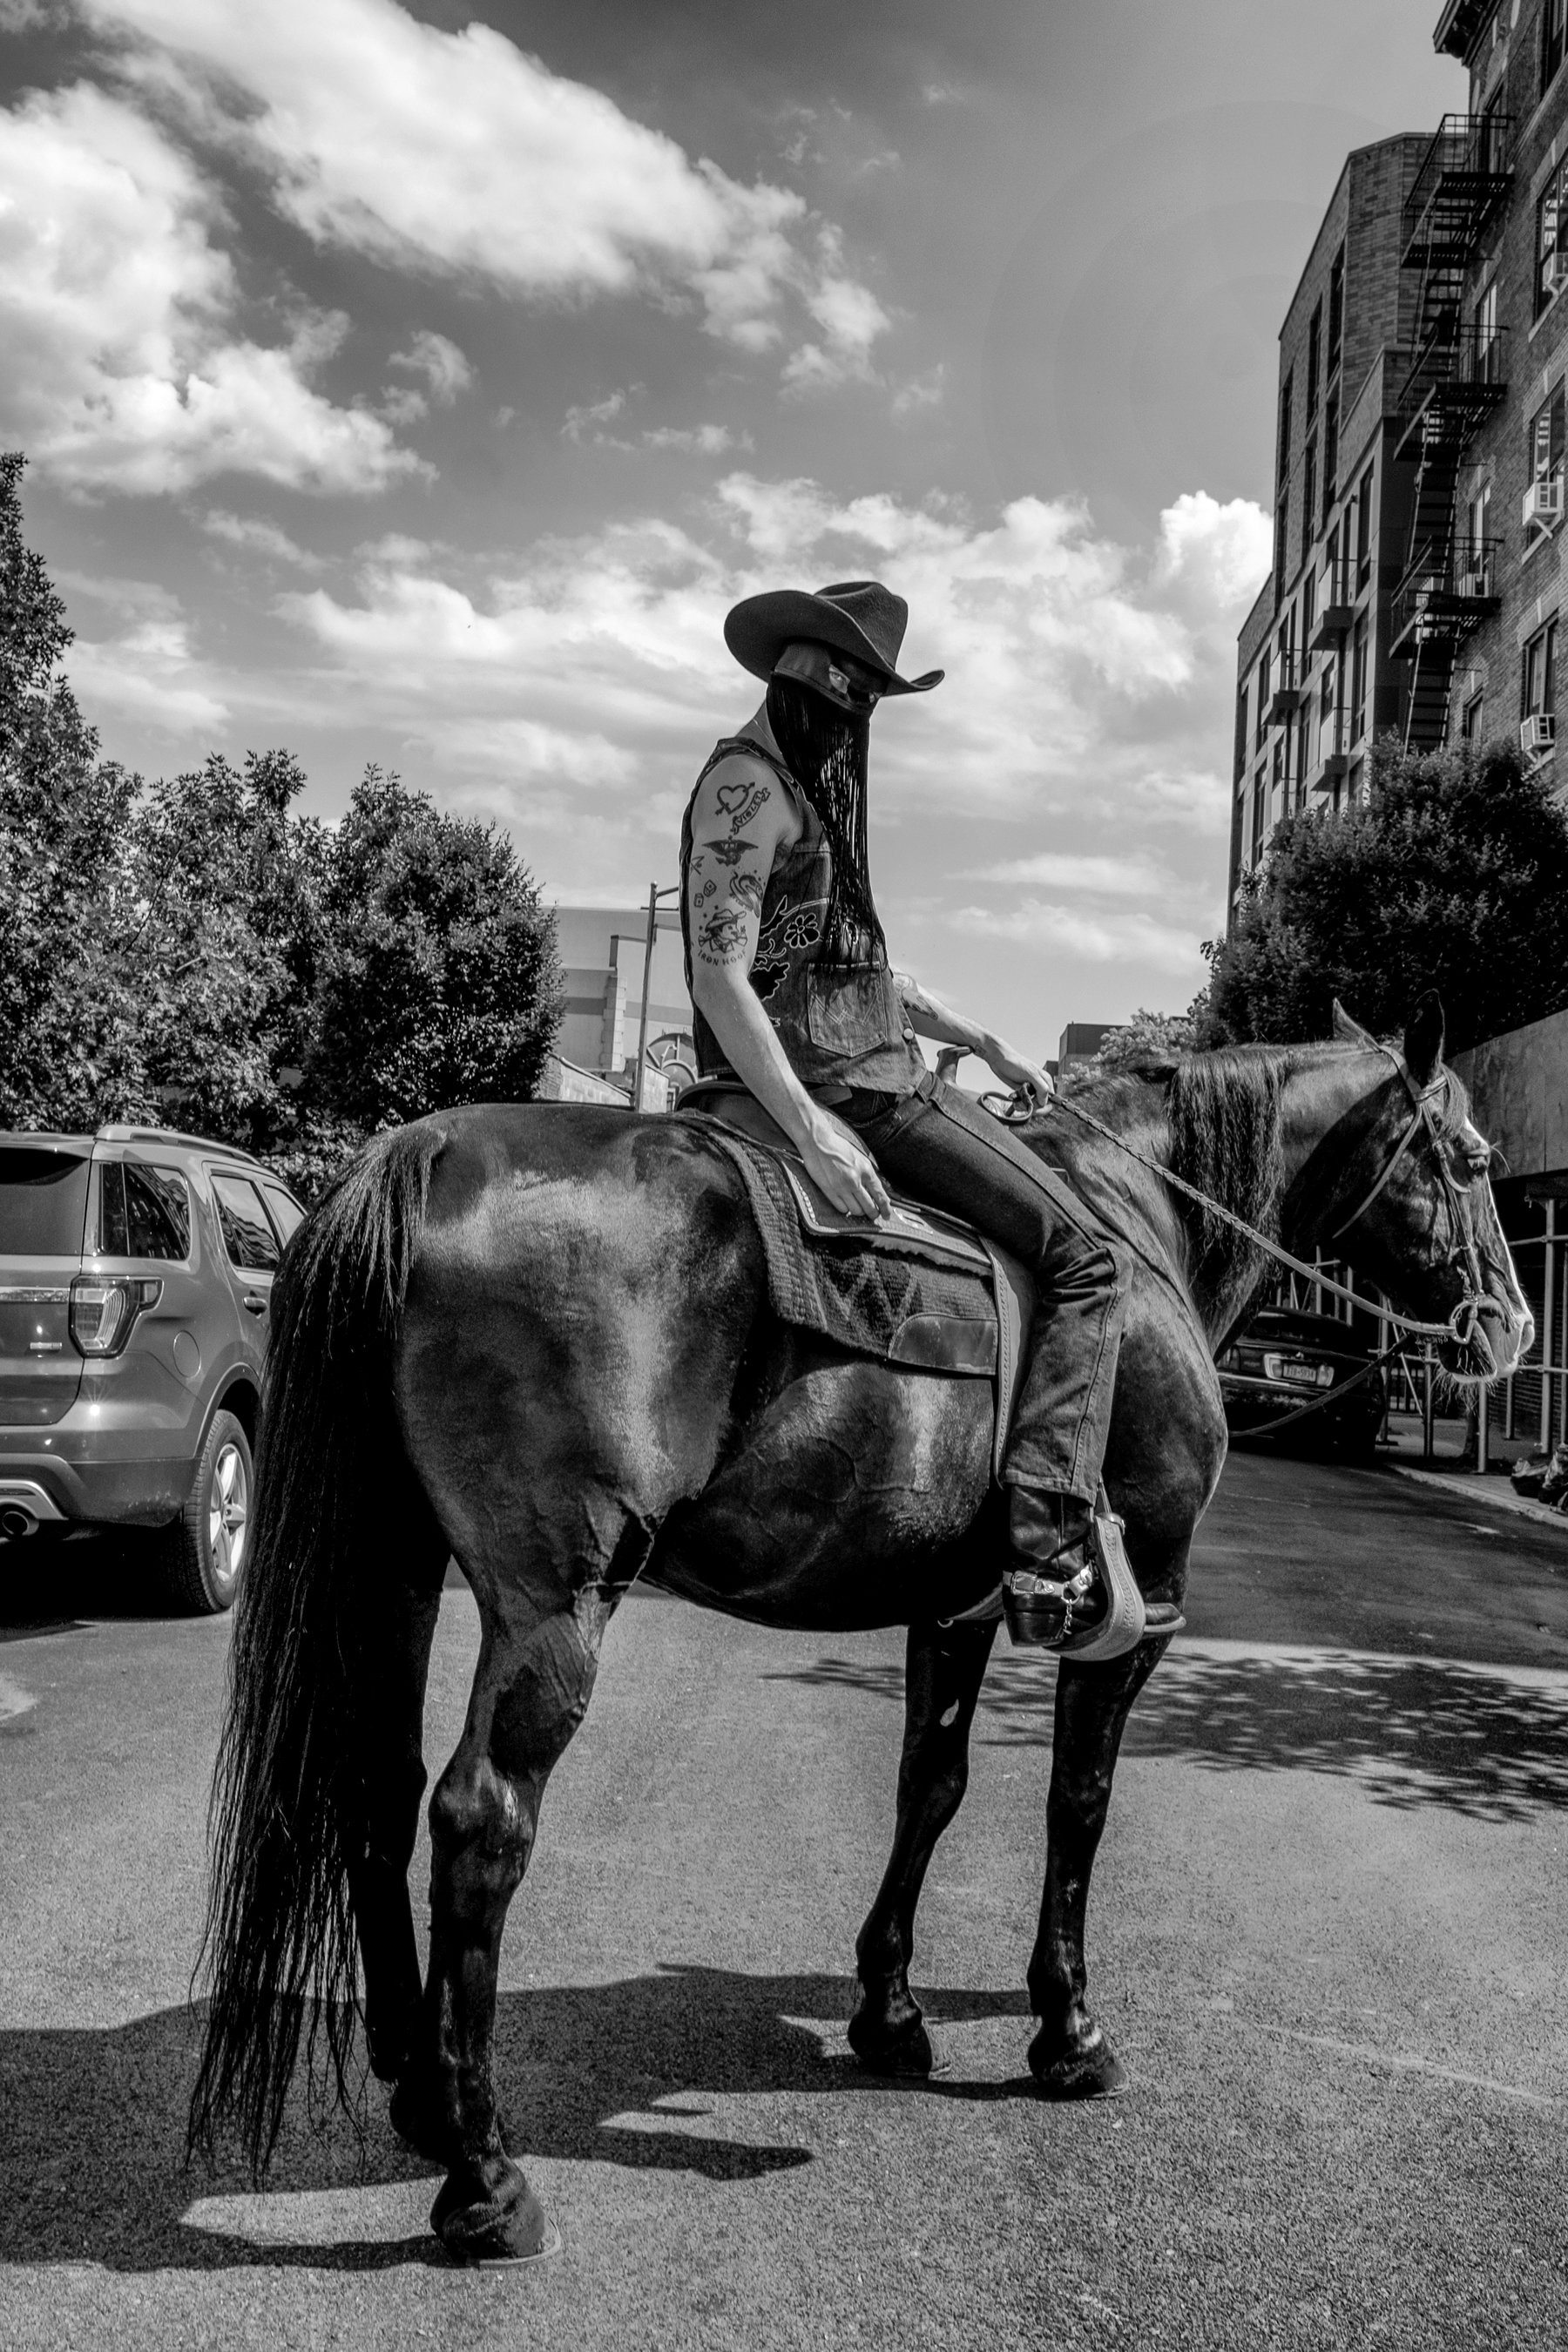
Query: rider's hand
{"points": [[1023, 1078], [837, 1159]]}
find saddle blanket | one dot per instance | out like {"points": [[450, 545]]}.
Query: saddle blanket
{"points": [[921, 1289]]}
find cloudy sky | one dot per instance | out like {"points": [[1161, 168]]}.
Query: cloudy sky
{"points": [[418, 385]]}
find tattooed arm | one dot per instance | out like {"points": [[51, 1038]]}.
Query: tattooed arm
{"points": [[742, 820], [930, 1017]]}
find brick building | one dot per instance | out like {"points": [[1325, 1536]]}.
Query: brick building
{"points": [[1314, 679], [1494, 262]]}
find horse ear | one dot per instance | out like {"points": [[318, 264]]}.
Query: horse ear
{"points": [[1349, 1032], [1423, 1038]]}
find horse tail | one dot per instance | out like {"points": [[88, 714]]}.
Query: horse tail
{"points": [[279, 1938]]}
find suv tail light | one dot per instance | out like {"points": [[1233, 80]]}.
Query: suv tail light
{"points": [[104, 1307]]}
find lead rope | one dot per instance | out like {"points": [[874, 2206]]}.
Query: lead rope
{"points": [[1461, 1323]]}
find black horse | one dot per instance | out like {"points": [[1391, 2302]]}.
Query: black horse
{"points": [[539, 1337]]}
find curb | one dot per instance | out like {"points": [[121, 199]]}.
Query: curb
{"points": [[1474, 1489]]}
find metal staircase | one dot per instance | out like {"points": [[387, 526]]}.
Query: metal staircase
{"points": [[1455, 380]]}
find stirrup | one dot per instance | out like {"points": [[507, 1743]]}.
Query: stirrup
{"points": [[1122, 1626]]}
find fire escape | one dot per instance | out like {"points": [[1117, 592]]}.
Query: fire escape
{"points": [[1454, 382]]}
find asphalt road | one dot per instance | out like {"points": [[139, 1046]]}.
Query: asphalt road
{"points": [[1327, 1936]]}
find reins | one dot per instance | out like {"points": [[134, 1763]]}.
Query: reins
{"points": [[1460, 1326]]}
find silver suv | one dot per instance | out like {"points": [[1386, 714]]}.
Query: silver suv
{"points": [[136, 1272]]}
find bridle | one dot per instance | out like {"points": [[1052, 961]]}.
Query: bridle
{"points": [[1465, 1315], [1461, 1323]]}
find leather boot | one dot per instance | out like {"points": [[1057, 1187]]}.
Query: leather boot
{"points": [[1053, 1587]]}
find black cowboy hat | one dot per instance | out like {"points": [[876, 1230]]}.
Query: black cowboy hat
{"points": [[855, 616]]}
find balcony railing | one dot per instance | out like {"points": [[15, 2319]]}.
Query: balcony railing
{"points": [[1336, 605], [1456, 380], [1287, 688], [1461, 179], [1332, 750], [1445, 592]]}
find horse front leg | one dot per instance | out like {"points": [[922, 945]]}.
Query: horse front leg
{"points": [[944, 1669], [1071, 2057], [532, 1689]]}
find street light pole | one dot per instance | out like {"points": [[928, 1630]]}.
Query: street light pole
{"points": [[654, 895]]}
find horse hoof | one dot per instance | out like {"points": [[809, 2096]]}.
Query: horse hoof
{"points": [[487, 2215], [1095, 2073], [904, 2055]]}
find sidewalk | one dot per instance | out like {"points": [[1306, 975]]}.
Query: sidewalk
{"points": [[1477, 1487]]}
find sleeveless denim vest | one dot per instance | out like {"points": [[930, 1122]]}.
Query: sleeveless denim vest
{"points": [[833, 1004]]}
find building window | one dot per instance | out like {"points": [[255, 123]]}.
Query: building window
{"points": [[1281, 545], [1489, 341], [1314, 354], [1330, 446], [1336, 308], [1257, 817], [1309, 611], [1543, 500], [1551, 41], [1240, 731], [1363, 531], [1283, 469], [1358, 682], [1470, 720], [1538, 683], [1303, 726], [1356, 794], [1550, 267], [1309, 496], [1262, 700]]}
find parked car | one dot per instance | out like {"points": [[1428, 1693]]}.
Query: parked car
{"points": [[136, 1273], [1283, 1357]]}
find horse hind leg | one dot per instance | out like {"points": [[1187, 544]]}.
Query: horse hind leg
{"points": [[945, 1667], [538, 1661]]}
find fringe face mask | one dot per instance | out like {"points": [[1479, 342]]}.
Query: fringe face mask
{"points": [[823, 732]]}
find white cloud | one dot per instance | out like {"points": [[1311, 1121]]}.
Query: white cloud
{"points": [[1125, 874], [120, 367], [697, 440], [921, 393], [446, 369], [586, 422], [1092, 934], [459, 152], [259, 538], [1088, 685], [150, 672]]}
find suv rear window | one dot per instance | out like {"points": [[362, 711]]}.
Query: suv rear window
{"points": [[142, 1211], [247, 1235], [43, 1203]]}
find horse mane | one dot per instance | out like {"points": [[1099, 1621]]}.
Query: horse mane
{"points": [[1222, 1114]]}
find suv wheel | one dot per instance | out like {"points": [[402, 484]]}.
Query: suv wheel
{"points": [[204, 1551]]}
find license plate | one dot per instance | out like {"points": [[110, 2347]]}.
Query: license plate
{"points": [[1306, 1376]]}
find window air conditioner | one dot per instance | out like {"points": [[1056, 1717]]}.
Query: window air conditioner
{"points": [[1543, 500], [1538, 733]]}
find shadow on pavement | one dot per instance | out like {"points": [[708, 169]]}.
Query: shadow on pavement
{"points": [[1412, 1731], [91, 2164]]}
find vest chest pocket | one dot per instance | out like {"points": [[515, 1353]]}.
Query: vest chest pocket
{"points": [[853, 1012]]}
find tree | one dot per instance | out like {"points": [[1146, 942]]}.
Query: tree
{"points": [[196, 952], [69, 1051], [1453, 876], [440, 978], [1147, 1037]]}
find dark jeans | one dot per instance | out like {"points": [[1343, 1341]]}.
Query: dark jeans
{"points": [[939, 1146]]}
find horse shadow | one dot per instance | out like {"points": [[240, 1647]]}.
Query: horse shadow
{"points": [[1487, 1742], [92, 2160]]}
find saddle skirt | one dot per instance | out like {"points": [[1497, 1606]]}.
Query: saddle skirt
{"points": [[921, 1289]]}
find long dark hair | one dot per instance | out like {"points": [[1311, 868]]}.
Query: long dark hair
{"points": [[825, 751]]}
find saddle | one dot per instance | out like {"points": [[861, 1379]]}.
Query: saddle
{"points": [[920, 1288]]}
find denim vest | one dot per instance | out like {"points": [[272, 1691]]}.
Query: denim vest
{"points": [[833, 1004]]}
